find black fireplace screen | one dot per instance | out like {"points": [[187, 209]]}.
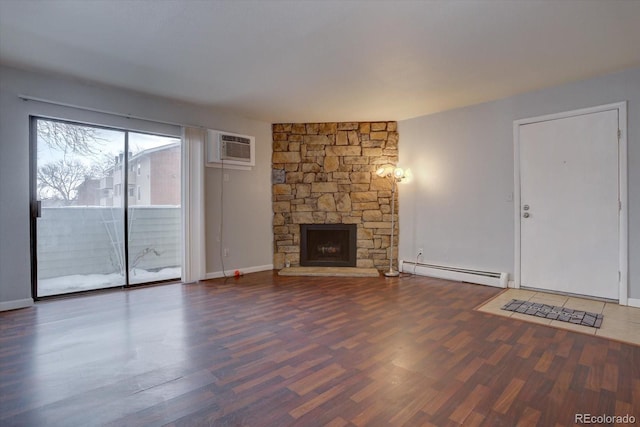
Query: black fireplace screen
{"points": [[328, 245]]}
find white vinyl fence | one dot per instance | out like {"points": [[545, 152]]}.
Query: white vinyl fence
{"points": [[89, 240]]}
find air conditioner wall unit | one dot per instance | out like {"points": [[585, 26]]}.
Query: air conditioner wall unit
{"points": [[225, 149]]}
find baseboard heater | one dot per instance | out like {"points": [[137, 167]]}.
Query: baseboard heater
{"points": [[489, 278]]}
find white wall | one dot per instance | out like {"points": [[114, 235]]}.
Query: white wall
{"points": [[244, 214], [248, 198], [459, 205]]}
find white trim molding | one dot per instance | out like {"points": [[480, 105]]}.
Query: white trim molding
{"points": [[623, 237], [231, 272], [633, 302], [16, 304]]}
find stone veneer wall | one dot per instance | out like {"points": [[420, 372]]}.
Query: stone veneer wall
{"points": [[324, 173]]}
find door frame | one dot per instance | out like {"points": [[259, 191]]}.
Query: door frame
{"points": [[623, 259]]}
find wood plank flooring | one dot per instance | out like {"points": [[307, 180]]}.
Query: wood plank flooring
{"points": [[268, 350]]}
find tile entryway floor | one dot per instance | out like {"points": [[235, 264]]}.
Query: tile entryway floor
{"points": [[620, 323]]}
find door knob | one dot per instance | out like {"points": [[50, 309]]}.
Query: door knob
{"points": [[525, 207], [525, 215]]}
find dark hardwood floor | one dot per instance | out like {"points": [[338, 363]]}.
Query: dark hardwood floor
{"points": [[265, 350]]}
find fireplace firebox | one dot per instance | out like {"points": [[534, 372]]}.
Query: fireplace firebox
{"points": [[328, 245]]}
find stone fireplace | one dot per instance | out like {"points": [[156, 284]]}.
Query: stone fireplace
{"points": [[324, 174]]}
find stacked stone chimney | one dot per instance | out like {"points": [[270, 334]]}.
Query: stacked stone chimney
{"points": [[325, 173]]}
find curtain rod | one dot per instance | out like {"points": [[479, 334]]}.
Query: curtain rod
{"points": [[96, 110]]}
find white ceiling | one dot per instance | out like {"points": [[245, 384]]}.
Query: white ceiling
{"points": [[314, 61]]}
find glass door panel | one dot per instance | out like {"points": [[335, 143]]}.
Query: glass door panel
{"points": [[79, 231], [154, 212]]}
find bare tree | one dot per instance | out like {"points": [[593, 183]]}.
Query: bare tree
{"points": [[103, 166], [70, 138], [59, 180]]}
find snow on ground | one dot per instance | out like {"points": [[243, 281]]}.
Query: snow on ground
{"points": [[137, 275], [84, 282]]}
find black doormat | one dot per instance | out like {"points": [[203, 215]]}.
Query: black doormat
{"points": [[563, 314]]}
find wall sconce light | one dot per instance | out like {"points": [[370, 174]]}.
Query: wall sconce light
{"points": [[395, 174]]}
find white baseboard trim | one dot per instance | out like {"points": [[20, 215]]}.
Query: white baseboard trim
{"points": [[245, 270], [633, 302], [15, 304]]}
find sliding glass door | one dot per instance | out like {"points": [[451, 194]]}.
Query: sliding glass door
{"points": [[105, 207], [153, 208]]}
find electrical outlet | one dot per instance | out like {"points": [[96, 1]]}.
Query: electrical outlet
{"points": [[226, 252], [420, 251]]}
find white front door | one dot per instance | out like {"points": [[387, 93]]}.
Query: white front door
{"points": [[569, 210]]}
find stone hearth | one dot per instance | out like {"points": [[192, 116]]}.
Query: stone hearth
{"points": [[329, 272], [324, 173]]}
